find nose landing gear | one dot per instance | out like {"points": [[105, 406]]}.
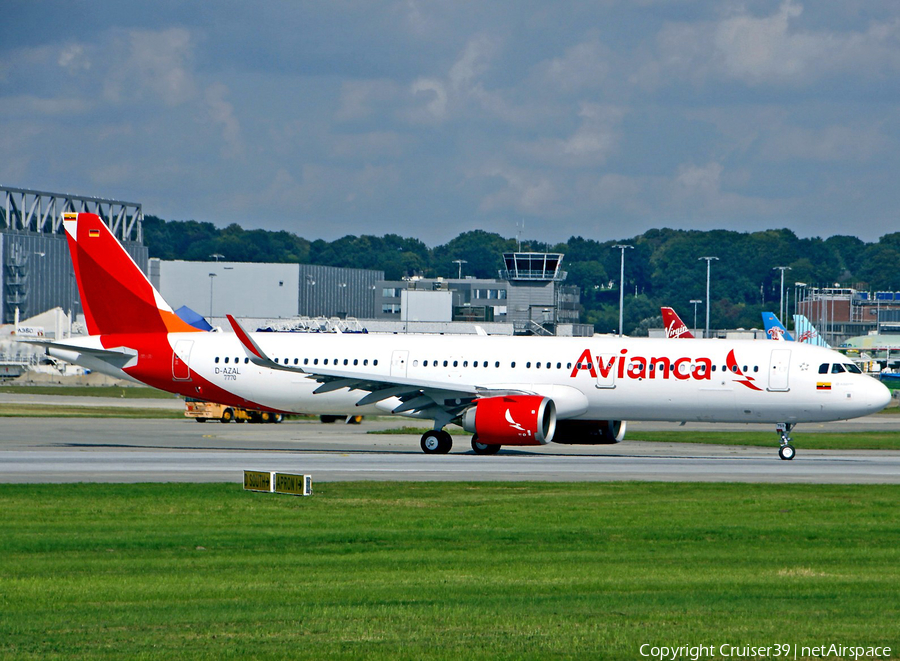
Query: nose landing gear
{"points": [[786, 451]]}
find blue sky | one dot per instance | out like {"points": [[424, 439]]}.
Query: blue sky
{"points": [[599, 119]]}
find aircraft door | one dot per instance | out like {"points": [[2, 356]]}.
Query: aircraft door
{"points": [[779, 366], [398, 363], [606, 370], [181, 358]]}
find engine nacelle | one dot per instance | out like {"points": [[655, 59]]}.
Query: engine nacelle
{"points": [[512, 420], [589, 432]]}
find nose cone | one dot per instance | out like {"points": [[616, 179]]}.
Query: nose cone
{"points": [[877, 396]]}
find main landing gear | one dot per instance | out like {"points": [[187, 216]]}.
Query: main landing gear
{"points": [[436, 441], [483, 448], [786, 451]]}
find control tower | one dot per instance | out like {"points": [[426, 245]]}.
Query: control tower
{"points": [[535, 280]]}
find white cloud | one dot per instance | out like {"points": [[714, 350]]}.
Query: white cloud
{"points": [[374, 145], [461, 87], [222, 113], [585, 65], [592, 143], [74, 58], [836, 144], [770, 49], [526, 192], [361, 99], [435, 95], [152, 64]]}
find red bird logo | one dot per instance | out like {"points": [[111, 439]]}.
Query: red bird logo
{"points": [[731, 362]]}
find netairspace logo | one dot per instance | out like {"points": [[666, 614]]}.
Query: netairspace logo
{"points": [[783, 650]]}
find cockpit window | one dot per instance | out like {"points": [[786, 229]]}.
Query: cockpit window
{"points": [[837, 368], [823, 368], [852, 368]]}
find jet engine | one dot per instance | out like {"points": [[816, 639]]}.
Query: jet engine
{"points": [[512, 420], [589, 432]]}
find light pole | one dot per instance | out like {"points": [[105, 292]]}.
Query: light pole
{"points": [[623, 248], [310, 282], [781, 299], [695, 302], [211, 277], [708, 262], [798, 295], [342, 298], [460, 262]]}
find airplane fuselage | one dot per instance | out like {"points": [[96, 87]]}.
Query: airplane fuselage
{"points": [[598, 378]]}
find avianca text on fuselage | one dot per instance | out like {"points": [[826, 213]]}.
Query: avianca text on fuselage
{"points": [[658, 367]]}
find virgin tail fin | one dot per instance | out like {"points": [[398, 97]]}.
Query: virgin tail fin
{"points": [[674, 326], [116, 296]]}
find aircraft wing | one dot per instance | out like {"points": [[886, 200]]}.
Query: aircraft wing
{"points": [[433, 399]]}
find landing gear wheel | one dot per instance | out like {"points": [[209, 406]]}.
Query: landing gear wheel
{"points": [[786, 452], [484, 448], [436, 441]]}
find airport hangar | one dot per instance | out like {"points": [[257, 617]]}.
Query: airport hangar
{"points": [[528, 297], [36, 275]]}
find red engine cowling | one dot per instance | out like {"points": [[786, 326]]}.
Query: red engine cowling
{"points": [[512, 420]]}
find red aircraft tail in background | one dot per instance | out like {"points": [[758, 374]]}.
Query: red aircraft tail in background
{"points": [[675, 327]]}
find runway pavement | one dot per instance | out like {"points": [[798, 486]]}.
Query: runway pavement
{"points": [[120, 450]]}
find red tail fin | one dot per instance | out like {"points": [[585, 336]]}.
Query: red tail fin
{"points": [[115, 295], [675, 327]]}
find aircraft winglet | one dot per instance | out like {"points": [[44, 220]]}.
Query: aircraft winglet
{"points": [[254, 351]]}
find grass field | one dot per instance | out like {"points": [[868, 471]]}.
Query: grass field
{"points": [[56, 411], [131, 392], [442, 571]]}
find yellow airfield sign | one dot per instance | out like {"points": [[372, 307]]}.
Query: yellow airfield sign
{"points": [[274, 482], [258, 481]]}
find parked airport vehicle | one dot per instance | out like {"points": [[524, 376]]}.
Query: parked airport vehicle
{"points": [[202, 410], [519, 391]]}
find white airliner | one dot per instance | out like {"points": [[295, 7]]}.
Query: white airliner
{"points": [[516, 391]]}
